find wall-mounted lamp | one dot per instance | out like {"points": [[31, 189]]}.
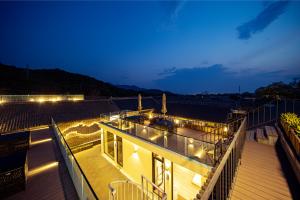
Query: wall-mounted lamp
{"points": [[225, 129], [168, 169], [197, 180], [135, 152]]}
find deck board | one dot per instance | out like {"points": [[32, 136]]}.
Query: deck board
{"points": [[260, 175], [45, 184]]}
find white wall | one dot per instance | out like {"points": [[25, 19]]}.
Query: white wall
{"points": [[136, 164], [182, 182]]}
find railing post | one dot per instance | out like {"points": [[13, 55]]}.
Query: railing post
{"points": [[264, 113], [252, 117], [276, 109], [270, 112], [293, 105], [258, 116], [81, 187], [285, 105]]}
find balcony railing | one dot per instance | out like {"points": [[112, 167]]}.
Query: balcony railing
{"points": [[82, 185], [203, 151], [128, 190]]}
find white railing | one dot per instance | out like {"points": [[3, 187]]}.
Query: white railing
{"points": [[128, 190], [81, 184]]}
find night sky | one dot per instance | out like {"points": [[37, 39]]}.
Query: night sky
{"points": [[181, 46]]}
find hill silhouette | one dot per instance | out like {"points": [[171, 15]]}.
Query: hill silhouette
{"points": [[14, 80]]}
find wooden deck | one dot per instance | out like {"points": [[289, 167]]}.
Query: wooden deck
{"points": [[46, 176], [260, 175]]}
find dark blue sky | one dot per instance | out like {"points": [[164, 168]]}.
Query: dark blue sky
{"points": [[181, 46]]}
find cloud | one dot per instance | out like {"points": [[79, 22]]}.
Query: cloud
{"points": [[172, 9], [218, 79], [271, 12], [167, 71]]}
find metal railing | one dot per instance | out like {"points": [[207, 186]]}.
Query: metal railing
{"points": [[219, 184], [201, 151], [270, 112], [81, 184], [128, 190]]}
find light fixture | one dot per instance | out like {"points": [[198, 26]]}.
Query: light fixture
{"points": [[176, 121], [135, 152], [199, 153], [41, 141], [43, 168], [168, 165], [225, 129], [165, 133], [41, 100], [197, 180]]}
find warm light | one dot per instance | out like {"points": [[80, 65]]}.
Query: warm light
{"points": [[41, 100], [176, 121], [135, 153], [154, 137], [191, 140], [197, 179], [2, 102], [225, 129], [199, 153], [168, 165], [150, 116], [41, 141], [31, 100], [114, 117], [43, 168]]}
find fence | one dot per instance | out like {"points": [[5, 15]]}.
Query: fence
{"points": [[82, 186], [270, 112], [207, 152], [218, 185], [128, 190]]}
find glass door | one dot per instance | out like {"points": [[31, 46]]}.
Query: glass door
{"points": [[158, 171], [119, 151], [110, 147]]}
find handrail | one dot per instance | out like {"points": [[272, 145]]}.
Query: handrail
{"points": [[170, 132], [139, 189], [189, 119], [212, 162], [81, 171], [164, 195], [221, 165]]}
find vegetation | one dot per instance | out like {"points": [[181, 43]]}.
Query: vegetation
{"points": [[280, 89], [292, 120]]}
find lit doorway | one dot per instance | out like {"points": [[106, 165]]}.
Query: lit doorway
{"points": [[158, 171], [119, 151], [109, 145]]}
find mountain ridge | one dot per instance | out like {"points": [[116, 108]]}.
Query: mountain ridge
{"points": [[18, 80]]}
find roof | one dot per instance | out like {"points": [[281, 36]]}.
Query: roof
{"points": [[13, 161], [132, 103], [213, 113], [210, 112], [15, 116]]}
